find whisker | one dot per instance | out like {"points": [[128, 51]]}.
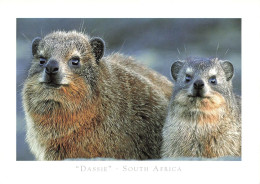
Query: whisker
{"points": [[41, 32], [26, 38], [81, 26], [22, 70], [186, 54], [178, 53], [217, 50], [226, 52], [122, 46]]}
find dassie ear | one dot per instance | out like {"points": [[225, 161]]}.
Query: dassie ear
{"points": [[35, 44], [176, 66], [228, 69], [98, 47]]}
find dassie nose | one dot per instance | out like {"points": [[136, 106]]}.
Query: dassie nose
{"points": [[52, 67], [198, 84]]}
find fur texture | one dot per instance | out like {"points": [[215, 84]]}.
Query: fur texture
{"points": [[102, 107], [202, 121]]}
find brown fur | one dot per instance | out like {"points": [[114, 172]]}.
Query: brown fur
{"points": [[204, 126], [113, 109]]}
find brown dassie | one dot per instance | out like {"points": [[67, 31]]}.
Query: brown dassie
{"points": [[204, 117], [79, 104]]}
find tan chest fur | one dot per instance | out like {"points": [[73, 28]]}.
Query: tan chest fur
{"points": [[121, 119], [204, 129]]}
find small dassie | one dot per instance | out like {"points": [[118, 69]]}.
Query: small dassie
{"points": [[204, 116], [79, 104]]}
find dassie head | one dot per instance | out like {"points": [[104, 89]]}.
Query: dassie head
{"points": [[64, 67], [60, 55], [203, 82]]}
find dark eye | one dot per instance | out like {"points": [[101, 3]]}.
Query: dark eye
{"points": [[213, 80], [42, 61], [188, 78], [74, 61]]}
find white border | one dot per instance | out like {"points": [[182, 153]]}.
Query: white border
{"points": [[246, 171]]}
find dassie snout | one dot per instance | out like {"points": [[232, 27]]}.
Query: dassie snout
{"points": [[198, 88], [52, 67], [198, 84], [51, 74]]}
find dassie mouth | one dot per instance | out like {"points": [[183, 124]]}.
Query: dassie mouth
{"points": [[197, 96], [198, 93], [51, 85]]}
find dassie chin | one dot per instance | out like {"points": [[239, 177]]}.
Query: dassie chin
{"points": [[204, 115], [79, 104]]}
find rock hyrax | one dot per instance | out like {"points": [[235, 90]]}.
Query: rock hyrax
{"points": [[79, 104], [204, 116]]}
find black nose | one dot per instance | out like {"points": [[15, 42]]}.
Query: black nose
{"points": [[52, 67], [198, 84]]}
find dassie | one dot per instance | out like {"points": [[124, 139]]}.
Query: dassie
{"points": [[204, 116], [79, 104]]}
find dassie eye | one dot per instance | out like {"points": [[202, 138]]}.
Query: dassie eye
{"points": [[74, 61], [213, 80], [42, 61], [188, 78]]}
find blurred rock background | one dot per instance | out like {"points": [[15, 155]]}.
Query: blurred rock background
{"points": [[156, 43]]}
